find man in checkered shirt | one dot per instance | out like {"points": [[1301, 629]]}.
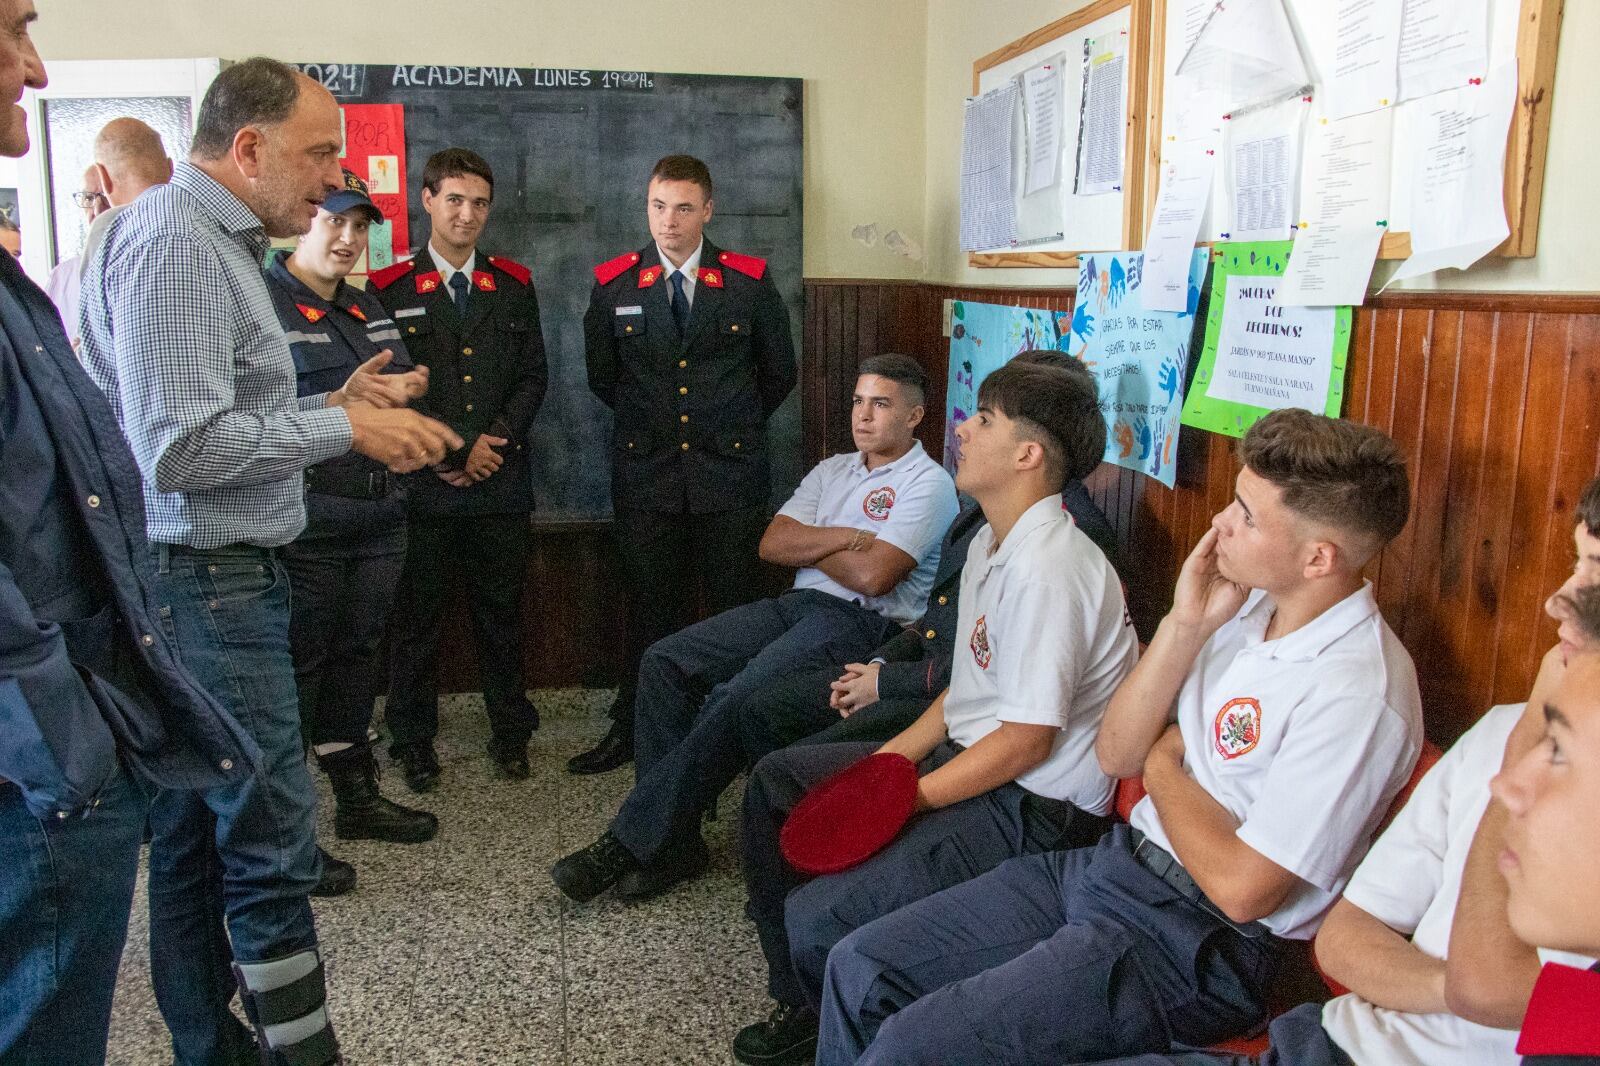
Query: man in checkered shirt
{"points": [[180, 332]]}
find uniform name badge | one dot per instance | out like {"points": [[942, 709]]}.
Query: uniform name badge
{"points": [[410, 312], [634, 310]]}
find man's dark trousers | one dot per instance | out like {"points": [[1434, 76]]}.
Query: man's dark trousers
{"points": [[65, 894], [692, 686], [799, 920], [486, 556], [795, 710], [1067, 956], [673, 561]]}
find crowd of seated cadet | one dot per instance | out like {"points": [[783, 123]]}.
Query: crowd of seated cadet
{"points": [[1297, 721], [1005, 753], [863, 530]]}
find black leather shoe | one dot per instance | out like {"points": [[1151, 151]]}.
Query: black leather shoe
{"points": [[585, 874], [787, 1038], [615, 750], [361, 812], [335, 876], [419, 763], [675, 866], [510, 759]]}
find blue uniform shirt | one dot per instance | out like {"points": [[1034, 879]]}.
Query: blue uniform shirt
{"points": [[76, 591]]}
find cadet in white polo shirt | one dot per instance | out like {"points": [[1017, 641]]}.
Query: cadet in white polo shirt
{"points": [[864, 530], [1272, 727], [1005, 753]]}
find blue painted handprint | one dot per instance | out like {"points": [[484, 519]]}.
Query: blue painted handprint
{"points": [[1141, 429], [1119, 282], [1082, 322], [1170, 376]]}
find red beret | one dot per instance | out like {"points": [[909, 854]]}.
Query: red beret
{"points": [[845, 820]]}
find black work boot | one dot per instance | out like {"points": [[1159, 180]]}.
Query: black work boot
{"points": [[360, 812], [335, 877], [419, 763], [787, 1038], [585, 874], [614, 750], [509, 758]]}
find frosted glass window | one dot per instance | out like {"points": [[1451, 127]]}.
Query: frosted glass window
{"points": [[71, 125]]}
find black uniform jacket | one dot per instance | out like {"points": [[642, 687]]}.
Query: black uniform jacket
{"points": [[691, 409], [486, 373], [329, 339]]}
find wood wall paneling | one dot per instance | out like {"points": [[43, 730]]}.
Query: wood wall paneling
{"points": [[1494, 398]]}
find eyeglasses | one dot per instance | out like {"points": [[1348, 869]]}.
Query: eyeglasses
{"points": [[87, 200]]}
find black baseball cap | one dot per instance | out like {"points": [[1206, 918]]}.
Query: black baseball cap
{"points": [[353, 195]]}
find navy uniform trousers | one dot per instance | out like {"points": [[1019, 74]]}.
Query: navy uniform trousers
{"points": [[1298, 1039], [693, 687], [1063, 957], [799, 921]]}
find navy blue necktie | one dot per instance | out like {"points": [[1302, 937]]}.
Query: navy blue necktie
{"points": [[680, 301], [458, 285]]}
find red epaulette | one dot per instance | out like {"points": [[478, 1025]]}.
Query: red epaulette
{"points": [[513, 268], [608, 272], [750, 265], [382, 279]]}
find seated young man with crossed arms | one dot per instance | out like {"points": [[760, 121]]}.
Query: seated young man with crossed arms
{"points": [[1274, 717], [1005, 753]]}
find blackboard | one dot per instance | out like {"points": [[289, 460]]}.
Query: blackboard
{"points": [[572, 152]]}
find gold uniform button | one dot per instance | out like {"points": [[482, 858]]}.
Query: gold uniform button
{"points": [[411, 329], [467, 379], [627, 329], [469, 407], [147, 640], [466, 351], [943, 600], [930, 634], [683, 390], [683, 364], [734, 327], [683, 418], [737, 445], [684, 446], [94, 501], [630, 445]]}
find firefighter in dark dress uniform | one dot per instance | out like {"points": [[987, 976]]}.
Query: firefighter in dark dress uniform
{"points": [[689, 345], [343, 569], [473, 321]]}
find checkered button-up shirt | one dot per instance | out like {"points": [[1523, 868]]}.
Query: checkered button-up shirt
{"points": [[179, 331]]}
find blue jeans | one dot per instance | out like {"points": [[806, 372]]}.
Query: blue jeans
{"points": [[66, 886], [246, 853]]}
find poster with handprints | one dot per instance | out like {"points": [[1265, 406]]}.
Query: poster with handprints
{"points": [[1138, 356], [982, 338]]}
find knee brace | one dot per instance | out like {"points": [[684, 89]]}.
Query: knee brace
{"points": [[286, 1001]]}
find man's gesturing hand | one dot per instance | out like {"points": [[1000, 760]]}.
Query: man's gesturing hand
{"points": [[401, 440], [370, 385]]}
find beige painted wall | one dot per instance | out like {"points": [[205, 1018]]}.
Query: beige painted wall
{"points": [[960, 31], [884, 84], [863, 64]]}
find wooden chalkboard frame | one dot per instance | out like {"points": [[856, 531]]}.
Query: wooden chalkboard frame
{"points": [[1538, 38], [1139, 41]]}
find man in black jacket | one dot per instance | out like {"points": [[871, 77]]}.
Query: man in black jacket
{"points": [[473, 321], [689, 345]]}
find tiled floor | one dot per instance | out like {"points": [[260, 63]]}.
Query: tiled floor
{"points": [[462, 951]]}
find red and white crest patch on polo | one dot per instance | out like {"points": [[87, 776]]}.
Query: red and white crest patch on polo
{"points": [[981, 652], [878, 503], [1238, 727]]}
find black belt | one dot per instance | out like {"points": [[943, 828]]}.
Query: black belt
{"points": [[333, 479], [166, 551], [1159, 861]]}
